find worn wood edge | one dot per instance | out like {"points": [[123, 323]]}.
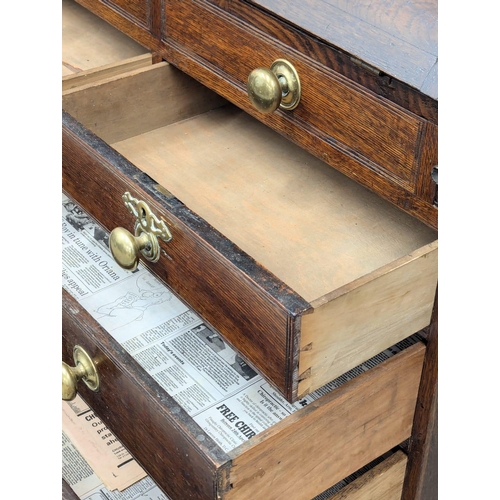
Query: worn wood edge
{"points": [[189, 62], [350, 43], [421, 479], [347, 331], [383, 482], [278, 44], [381, 271], [277, 444], [346, 161], [358, 71], [283, 300], [183, 431], [109, 70], [166, 405], [428, 152], [269, 284], [104, 78], [277, 378]]}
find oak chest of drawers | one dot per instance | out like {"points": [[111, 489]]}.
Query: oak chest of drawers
{"points": [[306, 272]]}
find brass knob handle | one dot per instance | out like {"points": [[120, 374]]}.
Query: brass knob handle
{"points": [[84, 369], [127, 248], [276, 87]]}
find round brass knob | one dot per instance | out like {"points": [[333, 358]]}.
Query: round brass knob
{"points": [[276, 87], [127, 248], [84, 369]]}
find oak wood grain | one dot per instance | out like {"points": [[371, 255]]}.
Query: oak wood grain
{"points": [[312, 227], [376, 176], [139, 12], [360, 124], [167, 443], [397, 37], [350, 234], [148, 36], [354, 424], [222, 283], [421, 480], [335, 58]]}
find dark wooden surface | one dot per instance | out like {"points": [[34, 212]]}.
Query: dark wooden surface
{"points": [[381, 146], [421, 480], [67, 492], [370, 127], [157, 431], [138, 12], [398, 37], [341, 62], [252, 309], [326, 440], [362, 135]]}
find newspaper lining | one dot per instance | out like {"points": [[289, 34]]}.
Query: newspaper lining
{"points": [[228, 399], [77, 472], [109, 459]]}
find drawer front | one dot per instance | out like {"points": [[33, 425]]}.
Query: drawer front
{"points": [[145, 419], [363, 135], [327, 440], [137, 10], [250, 307], [286, 298]]}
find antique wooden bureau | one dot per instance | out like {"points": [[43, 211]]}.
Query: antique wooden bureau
{"points": [[306, 236]]}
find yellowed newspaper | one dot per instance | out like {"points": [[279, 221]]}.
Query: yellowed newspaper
{"points": [[108, 458]]}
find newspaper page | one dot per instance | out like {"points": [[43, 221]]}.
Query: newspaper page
{"points": [[86, 484], [109, 459], [228, 399]]}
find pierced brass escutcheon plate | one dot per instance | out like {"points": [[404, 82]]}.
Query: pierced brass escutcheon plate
{"points": [[126, 247]]}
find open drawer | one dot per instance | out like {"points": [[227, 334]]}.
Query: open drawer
{"points": [[381, 479], [298, 457], [304, 271]]}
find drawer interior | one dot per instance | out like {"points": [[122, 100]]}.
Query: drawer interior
{"points": [[91, 47], [304, 449], [311, 226], [367, 269]]}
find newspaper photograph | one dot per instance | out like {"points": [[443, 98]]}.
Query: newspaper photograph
{"points": [[228, 399]]}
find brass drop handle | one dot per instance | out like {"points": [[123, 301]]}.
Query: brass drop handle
{"points": [[126, 247], [84, 369], [276, 87]]}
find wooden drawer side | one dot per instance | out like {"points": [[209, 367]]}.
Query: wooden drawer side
{"points": [[250, 307], [367, 316], [333, 436], [383, 482]]}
